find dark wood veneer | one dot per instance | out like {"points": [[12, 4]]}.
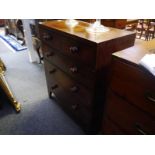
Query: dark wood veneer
{"points": [[80, 91]]}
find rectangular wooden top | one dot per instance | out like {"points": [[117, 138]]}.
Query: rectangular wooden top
{"points": [[80, 31], [135, 53]]}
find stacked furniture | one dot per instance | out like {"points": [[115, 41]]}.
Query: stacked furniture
{"points": [[130, 105], [76, 64]]}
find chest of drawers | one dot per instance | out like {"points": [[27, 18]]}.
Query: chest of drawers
{"points": [[130, 105], [75, 66]]}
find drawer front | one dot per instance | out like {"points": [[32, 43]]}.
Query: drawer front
{"points": [[134, 85], [72, 96], [74, 48], [51, 38], [84, 74], [128, 117]]}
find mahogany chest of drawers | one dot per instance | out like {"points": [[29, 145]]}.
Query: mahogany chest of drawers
{"points": [[75, 66], [130, 104]]}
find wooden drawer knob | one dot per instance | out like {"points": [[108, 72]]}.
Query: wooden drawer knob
{"points": [[47, 36], [74, 106], [74, 49], [52, 71], [73, 69], [49, 54], [74, 89]]}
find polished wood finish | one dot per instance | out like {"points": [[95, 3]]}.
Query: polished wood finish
{"points": [[80, 31], [129, 117], [131, 96], [76, 66], [72, 68], [115, 23]]}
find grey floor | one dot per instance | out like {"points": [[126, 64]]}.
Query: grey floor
{"points": [[39, 114]]}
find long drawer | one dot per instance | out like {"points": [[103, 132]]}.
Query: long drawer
{"points": [[84, 74], [128, 117], [73, 97], [134, 85], [75, 48]]}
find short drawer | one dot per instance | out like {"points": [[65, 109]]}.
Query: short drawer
{"points": [[83, 73], [134, 84], [51, 38], [128, 117], [79, 50], [72, 96]]}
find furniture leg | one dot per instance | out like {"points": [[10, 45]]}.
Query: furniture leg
{"points": [[6, 89]]}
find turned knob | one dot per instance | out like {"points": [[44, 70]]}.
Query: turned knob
{"points": [[74, 49], [52, 71], [73, 69], [74, 89], [47, 36], [50, 54], [74, 106]]}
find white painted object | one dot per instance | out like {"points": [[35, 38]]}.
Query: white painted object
{"points": [[28, 38], [148, 61]]}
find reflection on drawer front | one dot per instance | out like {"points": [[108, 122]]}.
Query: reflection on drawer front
{"points": [[82, 73], [128, 117], [135, 85]]}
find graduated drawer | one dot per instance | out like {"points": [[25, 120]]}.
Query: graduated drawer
{"points": [[129, 117], [134, 84], [83, 73], [75, 99], [77, 49]]}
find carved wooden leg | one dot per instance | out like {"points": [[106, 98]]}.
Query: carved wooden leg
{"points": [[2, 66], [6, 89], [39, 55], [51, 95]]}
